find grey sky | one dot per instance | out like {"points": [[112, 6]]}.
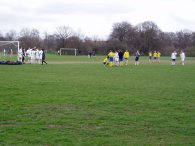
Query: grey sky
{"points": [[95, 17]]}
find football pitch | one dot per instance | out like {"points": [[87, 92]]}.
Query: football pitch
{"points": [[78, 101]]}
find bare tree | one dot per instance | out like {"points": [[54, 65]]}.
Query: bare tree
{"points": [[29, 38], [49, 42], [11, 35], [120, 31], [63, 33], [148, 36], [1, 37]]}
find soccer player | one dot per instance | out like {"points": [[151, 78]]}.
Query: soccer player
{"points": [[33, 55], [28, 54], [23, 56], [126, 57], [137, 55], [158, 56], [150, 56], [173, 57], [116, 58], [155, 56], [182, 56], [37, 56], [111, 57], [40, 56], [106, 61], [43, 57], [120, 54], [20, 52]]}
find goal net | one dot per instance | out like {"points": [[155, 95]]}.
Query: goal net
{"points": [[9, 50], [68, 51]]}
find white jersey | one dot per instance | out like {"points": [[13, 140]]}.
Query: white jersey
{"points": [[37, 54], [20, 53], [28, 52], [32, 54], [182, 55], [40, 54], [116, 57], [173, 55]]}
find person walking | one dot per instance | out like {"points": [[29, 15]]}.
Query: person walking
{"points": [[43, 57]]}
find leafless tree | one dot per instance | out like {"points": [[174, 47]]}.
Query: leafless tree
{"points": [[148, 36], [29, 38], [11, 35], [63, 33], [1, 37], [49, 42], [120, 31]]}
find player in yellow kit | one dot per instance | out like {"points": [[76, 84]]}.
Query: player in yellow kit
{"points": [[126, 57], [150, 56], [111, 58], [106, 61], [158, 56], [155, 56]]}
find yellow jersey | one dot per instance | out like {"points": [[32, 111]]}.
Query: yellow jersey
{"points": [[155, 54], [111, 54], [150, 54], [105, 60], [126, 55], [158, 54]]}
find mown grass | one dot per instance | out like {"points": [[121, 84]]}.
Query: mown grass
{"points": [[88, 104]]}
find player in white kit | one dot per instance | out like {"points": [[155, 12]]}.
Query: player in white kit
{"points": [[173, 57], [182, 56]]}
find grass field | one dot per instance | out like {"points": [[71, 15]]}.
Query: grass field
{"points": [[87, 104]]}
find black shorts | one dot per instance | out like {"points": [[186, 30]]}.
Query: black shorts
{"points": [[173, 59], [136, 58]]}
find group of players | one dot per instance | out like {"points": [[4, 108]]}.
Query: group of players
{"points": [[120, 58], [155, 56], [174, 56], [33, 56]]}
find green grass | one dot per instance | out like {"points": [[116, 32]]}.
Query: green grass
{"points": [[88, 104]]}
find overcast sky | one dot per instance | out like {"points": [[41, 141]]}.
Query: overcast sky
{"points": [[95, 17]]}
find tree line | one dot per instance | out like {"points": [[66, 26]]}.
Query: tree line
{"points": [[144, 37]]}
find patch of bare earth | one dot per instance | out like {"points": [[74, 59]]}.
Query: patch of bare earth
{"points": [[72, 62]]}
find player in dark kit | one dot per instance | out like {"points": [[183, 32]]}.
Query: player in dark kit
{"points": [[120, 54], [43, 57]]}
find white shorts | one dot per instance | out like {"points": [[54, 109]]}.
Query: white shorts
{"points": [[116, 59], [182, 59]]}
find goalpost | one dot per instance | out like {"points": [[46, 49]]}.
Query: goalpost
{"points": [[9, 50], [68, 51]]}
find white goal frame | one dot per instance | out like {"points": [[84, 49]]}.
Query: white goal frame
{"points": [[10, 42], [14, 43], [69, 49]]}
